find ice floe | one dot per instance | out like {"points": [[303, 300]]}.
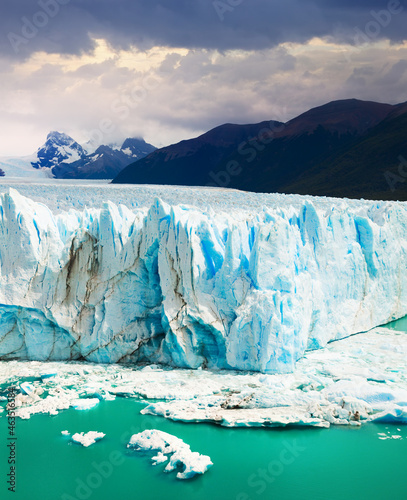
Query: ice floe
{"points": [[389, 434], [180, 453], [87, 439], [84, 404]]}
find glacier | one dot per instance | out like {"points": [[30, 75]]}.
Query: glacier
{"points": [[239, 286]]}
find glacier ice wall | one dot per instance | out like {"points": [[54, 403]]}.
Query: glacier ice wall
{"points": [[197, 288]]}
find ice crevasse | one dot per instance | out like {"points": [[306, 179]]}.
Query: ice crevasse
{"points": [[189, 287]]}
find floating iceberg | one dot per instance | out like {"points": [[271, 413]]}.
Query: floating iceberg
{"points": [[181, 455], [27, 389], [247, 288], [84, 404], [87, 439]]}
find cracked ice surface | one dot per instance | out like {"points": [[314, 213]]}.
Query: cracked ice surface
{"points": [[365, 373], [227, 280]]}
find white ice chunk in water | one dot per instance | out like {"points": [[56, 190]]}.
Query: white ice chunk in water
{"points": [[159, 458], [87, 439], [27, 388], [193, 462], [84, 404]]}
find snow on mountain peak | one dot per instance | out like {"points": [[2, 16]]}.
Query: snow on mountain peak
{"points": [[62, 157], [58, 148], [136, 148], [59, 138]]}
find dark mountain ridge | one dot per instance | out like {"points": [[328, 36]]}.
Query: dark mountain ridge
{"points": [[344, 148]]}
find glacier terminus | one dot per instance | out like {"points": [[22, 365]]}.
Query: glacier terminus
{"points": [[167, 280]]}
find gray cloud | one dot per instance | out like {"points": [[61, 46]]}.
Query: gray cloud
{"points": [[228, 24], [169, 95], [190, 91], [395, 74]]}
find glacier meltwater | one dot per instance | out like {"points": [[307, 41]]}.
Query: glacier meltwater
{"points": [[189, 286]]}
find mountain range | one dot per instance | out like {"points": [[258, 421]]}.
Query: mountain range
{"points": [[62, 157], [346, 148]]}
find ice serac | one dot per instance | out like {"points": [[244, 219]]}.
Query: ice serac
{"points": [[174, 284]]}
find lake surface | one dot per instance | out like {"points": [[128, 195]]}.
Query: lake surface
{"points": [[284, 464]]}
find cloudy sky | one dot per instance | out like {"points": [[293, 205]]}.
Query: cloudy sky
{"points": [[171, 69]]}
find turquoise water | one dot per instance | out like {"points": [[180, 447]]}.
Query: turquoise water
{"points": [[282, 464], [400, 324], [290, 464]]}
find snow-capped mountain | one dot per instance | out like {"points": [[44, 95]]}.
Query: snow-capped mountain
{"points": [[64, 158], [136, 148], [105, 162], [58, 148]]}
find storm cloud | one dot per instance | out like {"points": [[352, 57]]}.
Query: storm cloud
{"points": [[172, 69], [69, 26]]}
